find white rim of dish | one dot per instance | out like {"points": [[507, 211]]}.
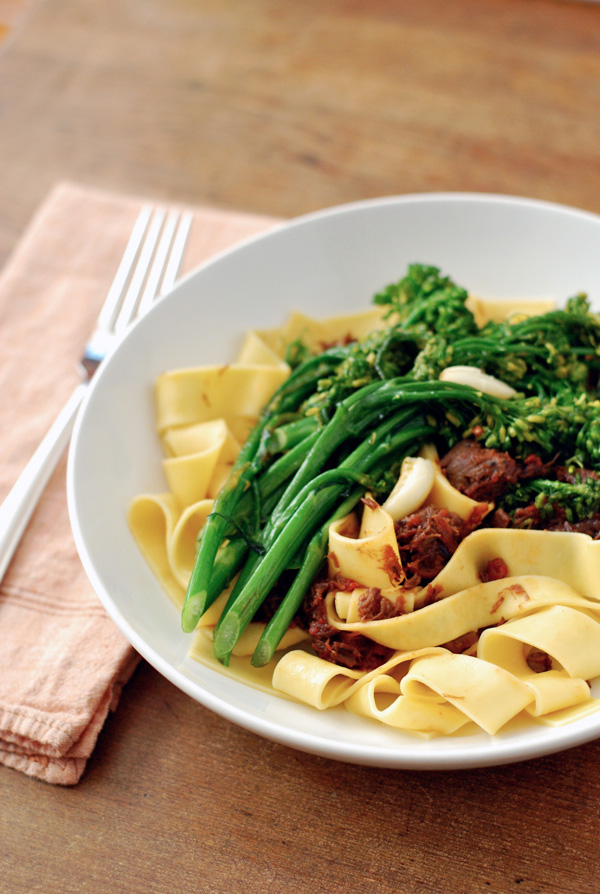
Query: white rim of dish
{"points": [[418, 756]]}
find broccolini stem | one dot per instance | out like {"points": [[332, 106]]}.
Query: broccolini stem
{"points": [[275, 476], [227, 563], [316, 500], [313, 558], [287, 398], [303, 516], [284, 437], [231, 554], [376, 449], [353, 416]]}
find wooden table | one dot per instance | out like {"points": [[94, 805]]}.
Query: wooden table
{"points": [[280, 108]]}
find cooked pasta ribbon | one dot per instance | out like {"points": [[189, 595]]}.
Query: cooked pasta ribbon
{"points": [[439, 691], [442, 495], [372, 557], [429, 690], [234, 393], [480, 606], [166, 536], [316, 334]]}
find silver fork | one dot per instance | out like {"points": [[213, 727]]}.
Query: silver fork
{"points": [[147, 271]]}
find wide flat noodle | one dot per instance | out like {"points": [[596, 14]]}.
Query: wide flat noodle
{"points": [[371, 556], [166, 537], [235, 393], [166, 525], [323, 684], [200, 459], [484, 693], [480, 606], [571, 640], [486, 310], [428, 691], [440, 691], [318, 334], [444, 495], [256, 351], [431, 691], [426, 715], [571, 558]]}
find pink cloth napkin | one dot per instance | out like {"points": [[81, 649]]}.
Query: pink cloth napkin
{"points": [[63, 663]]}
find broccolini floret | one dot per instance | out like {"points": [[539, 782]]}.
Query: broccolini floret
{"points": [[577, 500], [425, 297]]}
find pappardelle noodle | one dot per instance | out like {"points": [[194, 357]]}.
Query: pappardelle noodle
{"points": [[396, 510]]}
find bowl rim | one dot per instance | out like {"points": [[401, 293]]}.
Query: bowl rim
{"points": [[503, 752]]}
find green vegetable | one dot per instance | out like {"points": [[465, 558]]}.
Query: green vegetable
{"points": [[579, 500], [249, 463], [424, 297], [545, 355]]}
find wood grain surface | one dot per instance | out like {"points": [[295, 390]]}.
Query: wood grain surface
{"points": [[279, 108], [284, 107]]}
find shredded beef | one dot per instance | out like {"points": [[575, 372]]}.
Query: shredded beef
{"points": [[501, 519], [575, 476], [530, 518], [462, 643], [351, 650], [590, 526], [539, 661], [478, 472], [527, 517], [342, 647], [372, 606], [533, 467], [484, 474], [426, 540], [496, 569]]}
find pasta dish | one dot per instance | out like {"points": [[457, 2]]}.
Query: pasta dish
{"points": [[397, 510]]}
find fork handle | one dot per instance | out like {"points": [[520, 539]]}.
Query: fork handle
{"points": [[17, 508]]}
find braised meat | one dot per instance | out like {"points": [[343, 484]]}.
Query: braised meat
{"points": [[426, 540], [479, 472], [346, 648]]}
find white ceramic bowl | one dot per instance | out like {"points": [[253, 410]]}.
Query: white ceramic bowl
{"points": [[322, 263]]}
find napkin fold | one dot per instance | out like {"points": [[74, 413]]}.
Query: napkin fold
{"points": [[63, 662]]}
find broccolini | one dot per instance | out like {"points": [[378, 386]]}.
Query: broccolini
{"points": [[345, 419]]}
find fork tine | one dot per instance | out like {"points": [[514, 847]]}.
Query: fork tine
{"points": [[130, 303], [110, 309], [160, 252], [177, 252], [166, 260], [151, 288]]}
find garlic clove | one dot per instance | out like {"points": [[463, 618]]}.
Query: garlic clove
{"points": [[412, 488], [478, 379]]}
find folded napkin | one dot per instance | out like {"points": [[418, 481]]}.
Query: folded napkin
{"points": [[63, 662]]}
